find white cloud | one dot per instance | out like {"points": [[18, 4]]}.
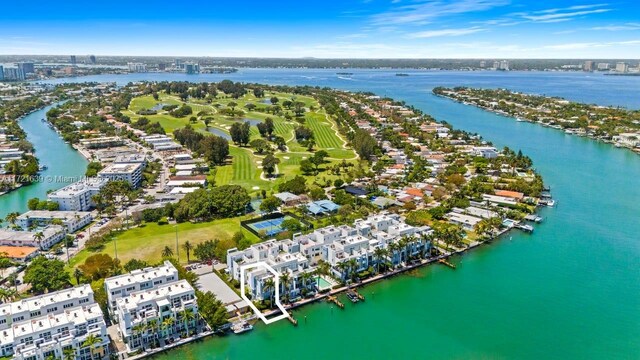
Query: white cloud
{"points": [[561, 16], [423, 12], [623, 27], [445, 32]]}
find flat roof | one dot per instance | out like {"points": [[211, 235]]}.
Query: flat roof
{"points": [[211, 282], [18, 252]]}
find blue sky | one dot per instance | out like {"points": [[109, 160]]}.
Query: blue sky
{"points": [[310, 28]]}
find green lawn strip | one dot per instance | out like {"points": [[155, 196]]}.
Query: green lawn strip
{"points": [[146, 243]]}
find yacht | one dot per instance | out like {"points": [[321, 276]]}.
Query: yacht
{"points": [[241, 327]]}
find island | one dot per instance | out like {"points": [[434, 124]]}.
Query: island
{"points": [[191, 187], [615, 125]]}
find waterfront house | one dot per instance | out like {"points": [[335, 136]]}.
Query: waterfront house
{"points": [[337, 246]]}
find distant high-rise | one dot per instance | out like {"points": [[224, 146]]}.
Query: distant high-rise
{"points": [[504, 65], [483, 64], [622, 67], [179, 64], [137, 67], [73, 59], [27, 67], [13, 74], [92, 59], [603, 66], [162, 66], [191, 68], [496, 65], [587, 65], [1, 73]]}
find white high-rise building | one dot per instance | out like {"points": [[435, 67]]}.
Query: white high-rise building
{"points": [[137, 67], [622, 67]]}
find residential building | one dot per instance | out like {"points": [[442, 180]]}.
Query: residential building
{"points": [[92, 59], [334, 245], [102, 142], [603, 66], [142, 279], [622, 67], [71, 220], [132, 158], [129, 172], [72, 59], [27, 67], [504, 65], [191, 68], [157, 314], [78, 196], [587, 65], [1, 72], [44, 326], [13, 74], [137, 67], [48, 237], [19, 253]]}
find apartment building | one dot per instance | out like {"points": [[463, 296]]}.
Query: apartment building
{"points": [[71, 220], [77, 196], [138, 280], [52, 325], [336, 246], [129, 172]]}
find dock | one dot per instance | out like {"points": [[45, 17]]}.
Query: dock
{"points": [[445, 262], [534, 218], [360, 296], [523, 227], [335, 300], [293, 320]]}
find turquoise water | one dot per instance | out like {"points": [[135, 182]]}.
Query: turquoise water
{"points": [[64, 164], [569, 290]]}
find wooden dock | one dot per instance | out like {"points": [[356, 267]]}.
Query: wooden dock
{"points": [[445, 262], [360, 296], [293, 320], [335, 300]]}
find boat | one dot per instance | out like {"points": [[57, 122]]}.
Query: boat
{"points": [[344, 73], [533, 217], [402, 74], [523, 227], [519, 120], [42, 167], [242, 327], [353, 297]]}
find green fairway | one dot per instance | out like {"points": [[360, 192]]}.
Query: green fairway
{"points": [[245, 169]]}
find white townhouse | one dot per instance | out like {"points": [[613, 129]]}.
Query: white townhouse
{"points": [[336, 246], [158, 315], [52, 325], [141, 279], [51, 235]]}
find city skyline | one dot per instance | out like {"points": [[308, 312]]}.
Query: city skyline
{"points": [[355, 29]]}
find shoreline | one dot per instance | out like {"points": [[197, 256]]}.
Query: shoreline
{"points": [[382, 276], [524, 119]]}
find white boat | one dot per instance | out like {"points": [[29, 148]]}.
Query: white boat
{"points": [[519, 120], [239, 328]]}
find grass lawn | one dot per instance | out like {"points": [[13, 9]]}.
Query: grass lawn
{"points": [[146, 243]]}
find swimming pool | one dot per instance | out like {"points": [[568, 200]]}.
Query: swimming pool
{"points": [[322, 283]]}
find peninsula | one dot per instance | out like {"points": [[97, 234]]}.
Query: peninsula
{"points": [[614, 125]]}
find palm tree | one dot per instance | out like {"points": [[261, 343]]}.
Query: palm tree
{"points": [[306, 277], [379, 254], [38, 237], [284, 281], [77, 273], [187, 247], [167, 252], [393, 248], [7, 294], [353, 269], [188, 316], [269, 286], [92, 342], [342, 266], [137, 330], [402, 246], [69, 354], [167, 323], [12, 217]]}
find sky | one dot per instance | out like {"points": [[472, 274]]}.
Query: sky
{"points": [[325, 29]]}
